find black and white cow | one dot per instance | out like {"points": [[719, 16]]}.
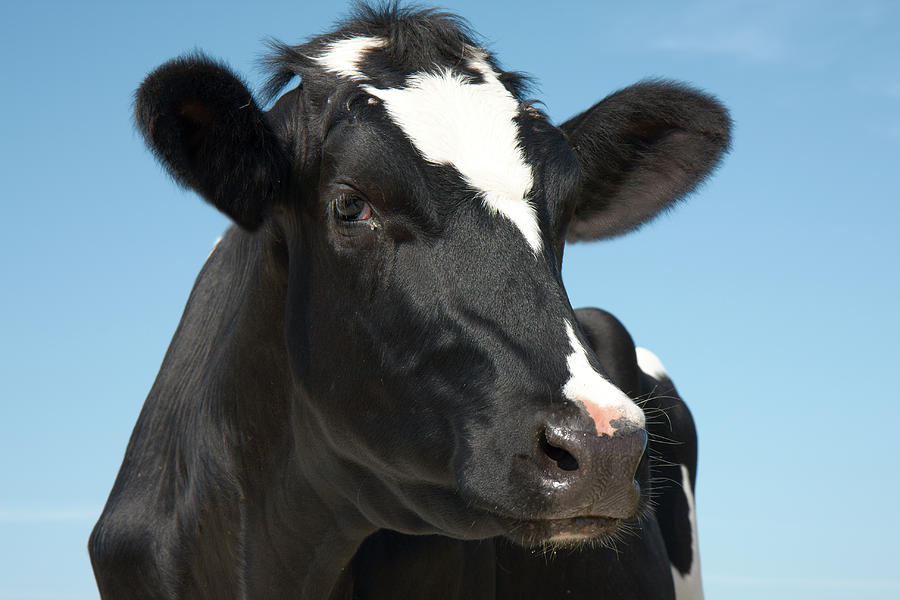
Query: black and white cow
{"points": [[379, 388]]}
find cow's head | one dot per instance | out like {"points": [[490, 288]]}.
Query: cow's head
{"points": [[420, 206]]}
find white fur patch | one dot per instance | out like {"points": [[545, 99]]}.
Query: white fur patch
{"points": [[342, 56], [470, 126], [453, 121], [650, 364], [595, 392], [690, 585]]}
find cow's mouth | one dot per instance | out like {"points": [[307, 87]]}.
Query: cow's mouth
{"points": [[562, 532]]}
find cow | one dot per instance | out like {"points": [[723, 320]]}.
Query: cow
{"points": [[379, 387]]}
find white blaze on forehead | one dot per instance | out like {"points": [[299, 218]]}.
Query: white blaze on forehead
{"points": [[603, 401], [453, 121], [470, 126], [342, 56]]}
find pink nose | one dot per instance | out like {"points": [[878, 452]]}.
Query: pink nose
{"points": [[607, 419]]}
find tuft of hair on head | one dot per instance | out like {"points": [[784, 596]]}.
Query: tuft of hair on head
{"points": [[412, 35]]}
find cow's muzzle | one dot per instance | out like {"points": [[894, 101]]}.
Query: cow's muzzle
{"points": [[586, 474], [589, 484]]}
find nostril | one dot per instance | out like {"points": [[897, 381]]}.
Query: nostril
{"points": [[562, 458]]}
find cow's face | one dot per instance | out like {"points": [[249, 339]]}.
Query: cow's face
{"points": [[422, 209]]}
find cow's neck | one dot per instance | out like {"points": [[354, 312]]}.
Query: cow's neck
{"points": [[284, 535]]}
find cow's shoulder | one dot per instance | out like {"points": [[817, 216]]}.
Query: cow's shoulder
{"points": [[674, 473], [673, 441]]}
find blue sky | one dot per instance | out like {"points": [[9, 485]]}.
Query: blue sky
{"points": [[771, 296]]}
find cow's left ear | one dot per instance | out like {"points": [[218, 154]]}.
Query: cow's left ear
{"points": [[203, 124], [640, 150]]}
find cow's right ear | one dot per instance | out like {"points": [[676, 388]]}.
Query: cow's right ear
{"points": [[205, 127]]}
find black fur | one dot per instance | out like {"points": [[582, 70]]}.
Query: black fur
{"points": [[373, 407], [203, 124], [418, 39], [641, 149]]}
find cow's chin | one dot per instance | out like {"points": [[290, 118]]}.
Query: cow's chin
{"points": [[565, 527], [572, 531]]}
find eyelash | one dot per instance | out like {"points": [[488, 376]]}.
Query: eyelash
{"points": [[350, 208]]}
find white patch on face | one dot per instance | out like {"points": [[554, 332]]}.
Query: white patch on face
{"points": [[690, 585], [470, 126], [342, 56], [603, 401], [452, 121], [650, 364]]}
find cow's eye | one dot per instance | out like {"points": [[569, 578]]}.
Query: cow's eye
{"points": [[349, 207]]}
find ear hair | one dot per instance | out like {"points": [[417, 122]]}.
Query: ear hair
{"points": [[204, 126], [641, 149]]}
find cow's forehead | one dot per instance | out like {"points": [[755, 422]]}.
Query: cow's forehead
{"points": [[455, 120], [343, 57]]}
